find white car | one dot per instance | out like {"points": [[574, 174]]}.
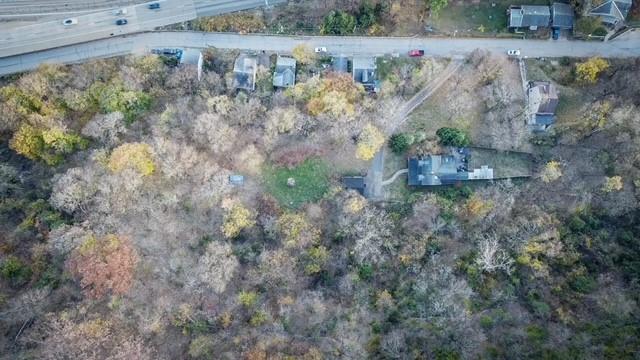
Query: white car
{"points": [[321, 49], [513, 52], [122, 11], [70, 21]]}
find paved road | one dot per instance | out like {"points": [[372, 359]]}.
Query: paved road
{"points": [[101, 24], [626, 46], [19, 9]]}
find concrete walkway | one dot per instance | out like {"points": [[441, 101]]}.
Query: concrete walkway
{"points": [[394, 177]]}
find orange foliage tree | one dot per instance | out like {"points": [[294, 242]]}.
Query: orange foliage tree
{"points": [[104, 265]]}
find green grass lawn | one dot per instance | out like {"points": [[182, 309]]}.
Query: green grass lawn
{"points": [[505, 164], [479, 18], [312, 182]]}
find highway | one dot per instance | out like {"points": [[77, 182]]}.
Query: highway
{"points": [[19, 9], [627, 45], [101, 24]]}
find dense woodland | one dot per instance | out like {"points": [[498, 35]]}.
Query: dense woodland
{"points": [[122, 238]]}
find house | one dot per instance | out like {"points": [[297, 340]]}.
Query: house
{"points": [[244, 72], [612, 12], [285, 73], [542, 103], [529, 16], [340, 64], [364, 72], [192, 57], [354, 183], [447, 169], [562, 16]]}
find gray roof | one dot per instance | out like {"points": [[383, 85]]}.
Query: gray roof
{"points": [[612, 11], [562, 16], [549, 97], [285, 73], [529, 16], [364, 70], [340, 64], [244, 72], [190, 56]]}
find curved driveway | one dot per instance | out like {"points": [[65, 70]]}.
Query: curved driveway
{"points": [[624, 46]]}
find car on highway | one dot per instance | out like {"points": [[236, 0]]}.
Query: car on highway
{"points": [[70, 21], [122, 11], [514, 52], [153, 6], [416, 53], [121, 22], [321, 49]]}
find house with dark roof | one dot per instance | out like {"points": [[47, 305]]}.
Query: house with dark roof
{"points": [[354, 183], [446, 169], [245, 69], [612, 12], [543, 100], [364, 72], [285, 73], [562, 16], [340, 64], [531, 17]]}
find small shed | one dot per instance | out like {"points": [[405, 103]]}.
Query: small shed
{"points": [[354, 183], [236, 180]]}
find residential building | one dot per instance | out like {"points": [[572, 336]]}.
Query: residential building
{"points": [[192, 57], [612, 12], [364, 72], [340, 64], [244, 72], [562, 16], [285, 73], [531, 17], [542, 103], [447, 169]]}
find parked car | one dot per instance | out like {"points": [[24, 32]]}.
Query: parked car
{"points": [[321, 49], [122, 11], [70, 21], [121, 22], [556, 34], [416, 53], [514, 52], [153, 6]]}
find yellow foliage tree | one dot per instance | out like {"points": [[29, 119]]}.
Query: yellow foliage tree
{"points": [[237, 218], [304, 54], [355, 204], [476, 208], [588, 71], [335, 95], [136, 156], [295, 230], [369, 142], [613, 183], [551, 172]]}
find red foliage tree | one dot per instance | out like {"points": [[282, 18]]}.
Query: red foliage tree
{"points": [[104, 265]]}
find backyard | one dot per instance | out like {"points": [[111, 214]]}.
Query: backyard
{"points": [[477, 17], [311, 182]]}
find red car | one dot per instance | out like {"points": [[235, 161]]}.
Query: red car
{"points": [[416, 53]]}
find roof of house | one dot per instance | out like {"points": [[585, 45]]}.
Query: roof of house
{"points": [[355, 183], [529, 16], [244, 72], [340, 64], [436, 170], [562, 16], [612, 11], [190, 56], [236, 179], [285, 73], [364, 70], [544, 97]]}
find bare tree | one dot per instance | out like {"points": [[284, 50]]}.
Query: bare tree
{"points": [[491, 257]]}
